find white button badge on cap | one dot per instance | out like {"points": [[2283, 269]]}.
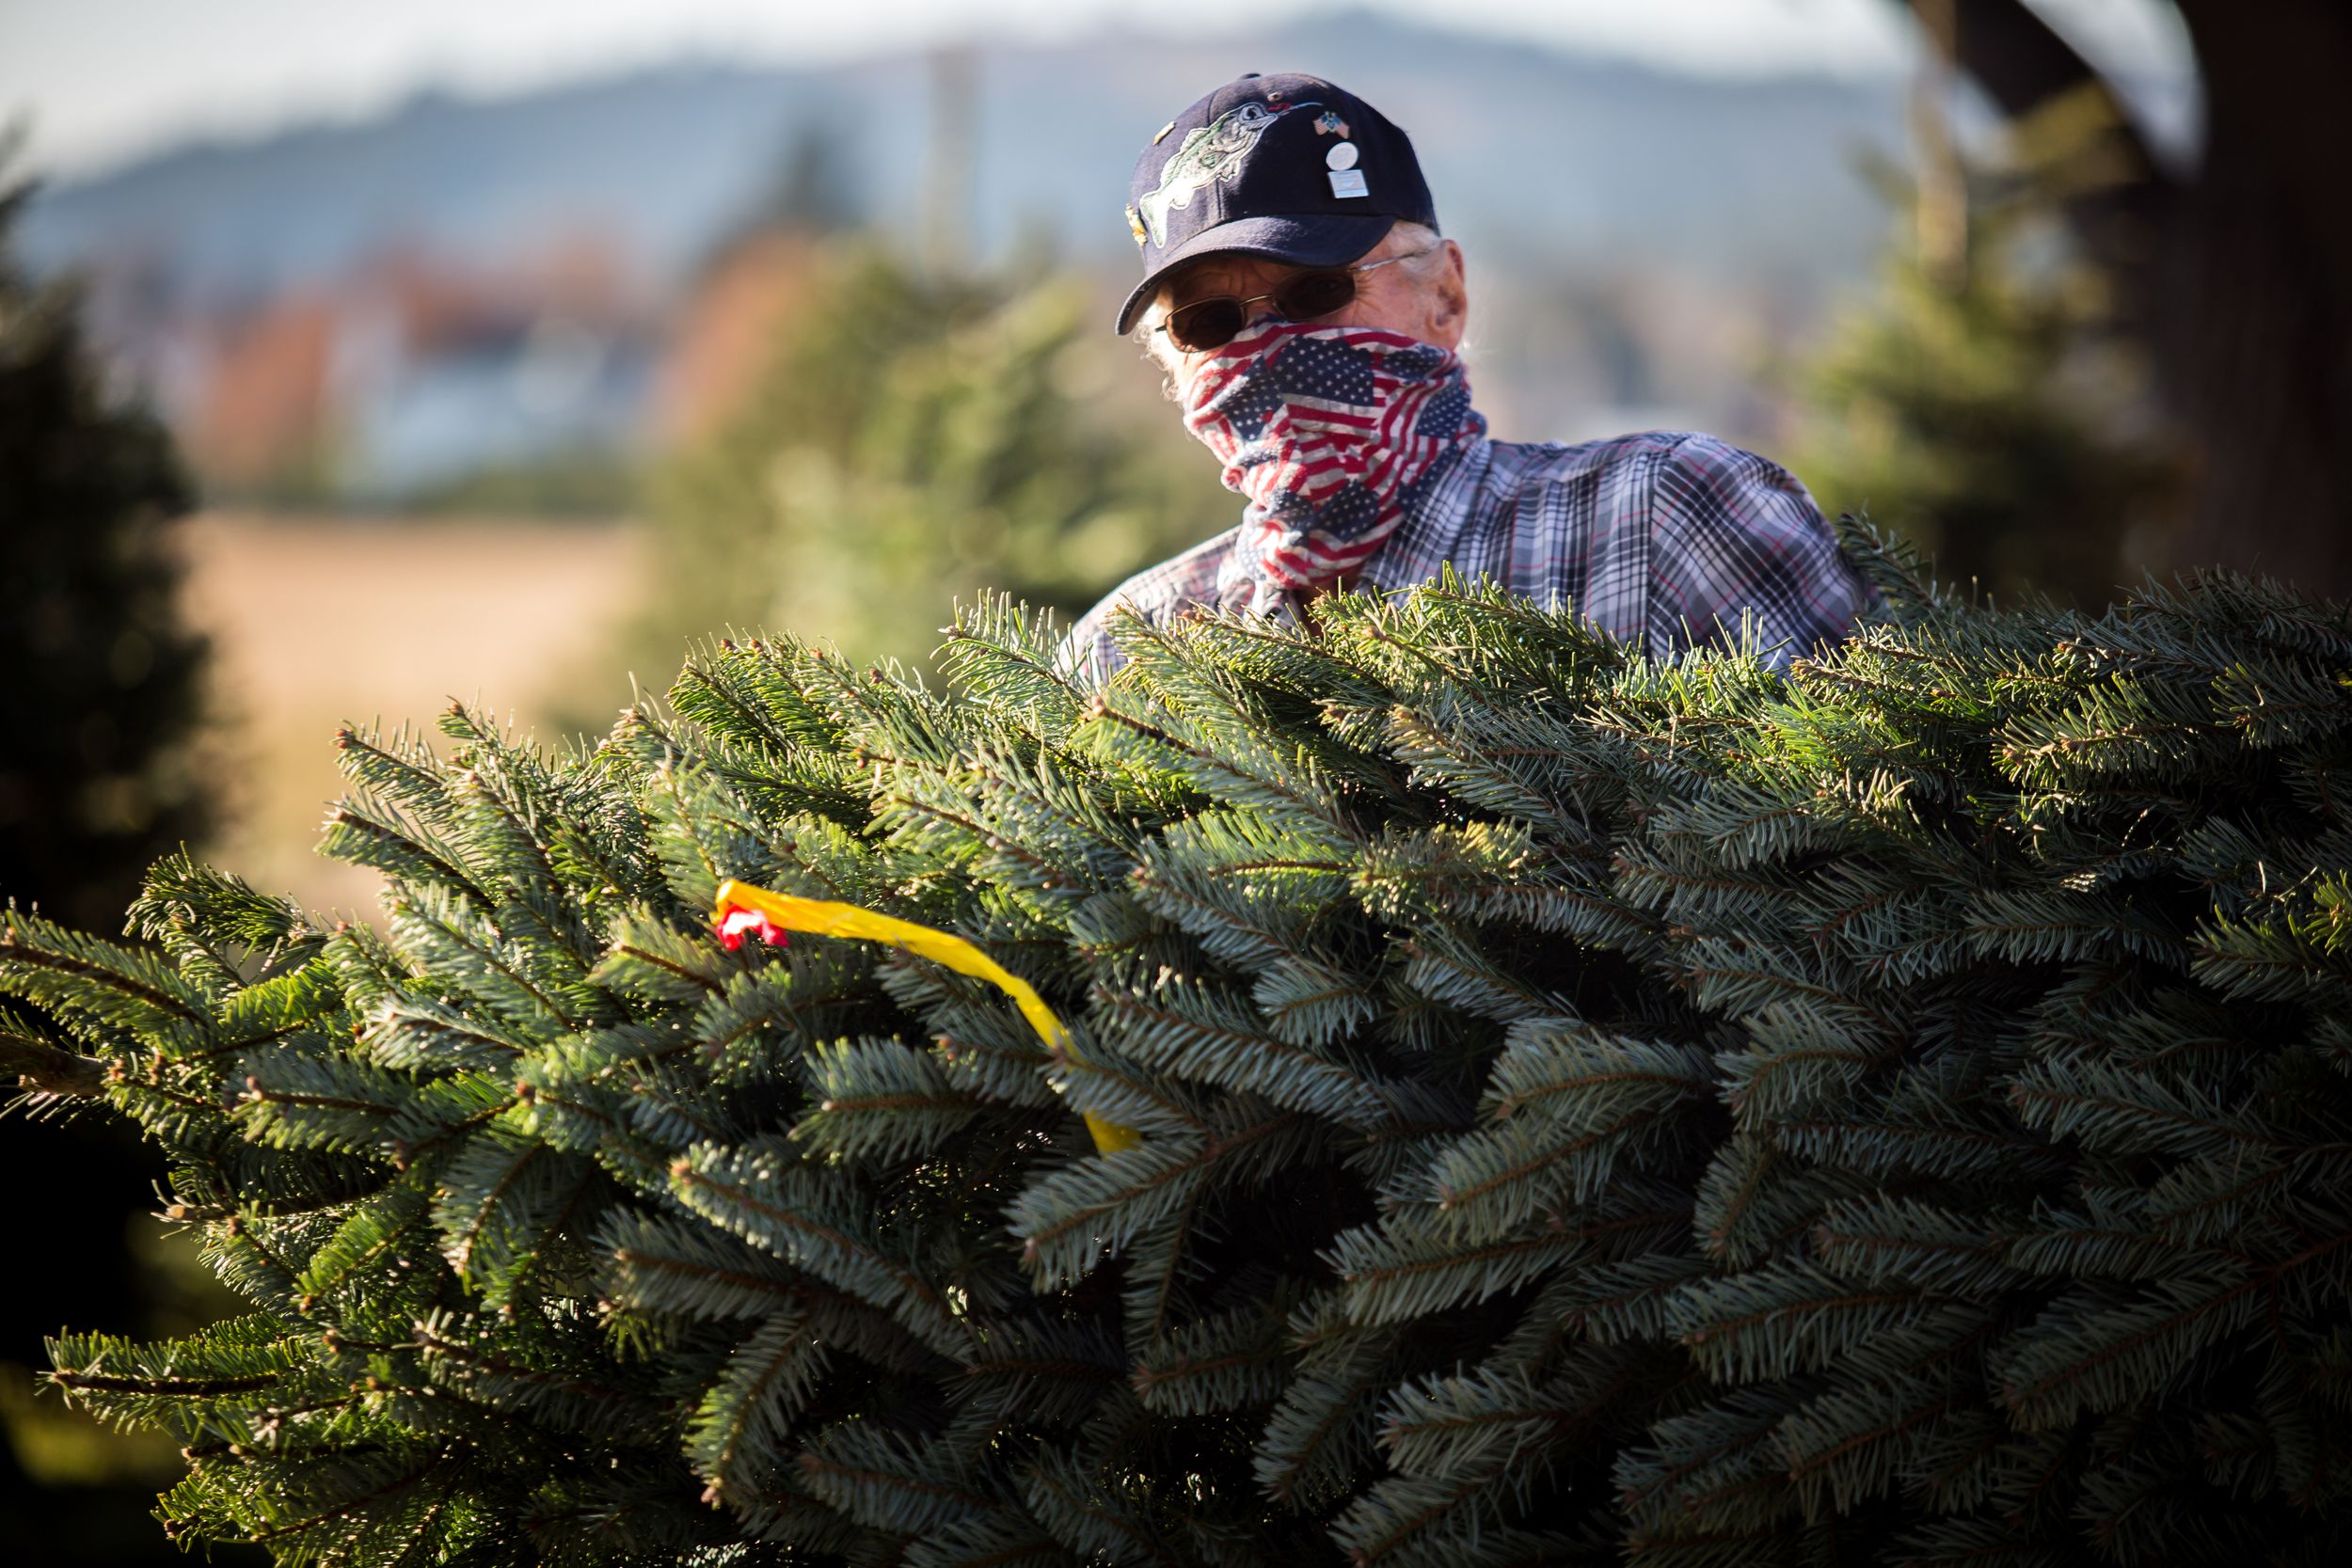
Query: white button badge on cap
{"points": [[1346, 178]]}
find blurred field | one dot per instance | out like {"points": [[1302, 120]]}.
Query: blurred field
{"points": [[319, 620]]}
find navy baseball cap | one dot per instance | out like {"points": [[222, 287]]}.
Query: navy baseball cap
{"points": [[1286, 167]]}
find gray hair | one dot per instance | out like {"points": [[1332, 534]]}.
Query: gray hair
{"points": [[1418, 237]]}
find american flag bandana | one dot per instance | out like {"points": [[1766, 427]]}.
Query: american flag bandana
{"points": [[1330, 431]]}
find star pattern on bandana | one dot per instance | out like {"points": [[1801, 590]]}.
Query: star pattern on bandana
{"points": [[1445, 413], [1347, 515], [1250, 405], [1324, 368]]}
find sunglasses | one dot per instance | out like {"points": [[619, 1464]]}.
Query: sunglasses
{"points": [[1202, 324]]}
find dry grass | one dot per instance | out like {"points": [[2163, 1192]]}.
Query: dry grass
{"points": [[316, 621]]}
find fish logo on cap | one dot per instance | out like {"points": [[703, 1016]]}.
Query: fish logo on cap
{"points": [[1209, 153]]}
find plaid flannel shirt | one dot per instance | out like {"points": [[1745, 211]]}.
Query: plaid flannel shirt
{"points": [[1661, 539]]}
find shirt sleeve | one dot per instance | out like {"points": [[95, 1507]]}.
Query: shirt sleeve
{"points": [[1087, 656], [1736, 537]]}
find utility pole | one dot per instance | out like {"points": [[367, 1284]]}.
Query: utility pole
{"points": [[955, 71], [1941, 216]]}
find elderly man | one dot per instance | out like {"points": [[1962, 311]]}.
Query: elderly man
{"points": [[1308, 316]]}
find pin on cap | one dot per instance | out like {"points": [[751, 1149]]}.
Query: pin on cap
{"points": [[1342, 156]]}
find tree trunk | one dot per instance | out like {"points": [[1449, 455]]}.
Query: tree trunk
{"points": [[2261, 371], [2237, 276]]}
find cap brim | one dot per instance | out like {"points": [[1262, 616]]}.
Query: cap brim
{"points": [[1319, 241]]}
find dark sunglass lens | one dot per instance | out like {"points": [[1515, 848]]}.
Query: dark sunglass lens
{"points": [[1315, 294], [1205, 323]]}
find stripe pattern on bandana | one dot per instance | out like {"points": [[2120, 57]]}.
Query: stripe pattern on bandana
{"points": [[1331, 433]]}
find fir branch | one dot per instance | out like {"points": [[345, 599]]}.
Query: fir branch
{"points": [[769, 1203], [63, 970], [49, 1069]]}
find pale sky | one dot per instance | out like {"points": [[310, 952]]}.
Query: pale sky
{"points": [[99, 80]]}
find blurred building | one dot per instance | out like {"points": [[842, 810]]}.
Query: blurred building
{"points": [[722, 332], [407, 375]]}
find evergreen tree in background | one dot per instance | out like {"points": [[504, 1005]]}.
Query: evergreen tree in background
{"points": [[97, 711], [917, 439], [103, 694], [1980, 406], [1586, 1109]]}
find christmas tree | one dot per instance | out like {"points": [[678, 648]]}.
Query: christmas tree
{"points": [[1984, 405], [106, 681], [917, 437], [1488, 1099]]}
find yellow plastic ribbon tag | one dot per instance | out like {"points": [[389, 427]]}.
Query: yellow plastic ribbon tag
{"points": [[821, 918]]}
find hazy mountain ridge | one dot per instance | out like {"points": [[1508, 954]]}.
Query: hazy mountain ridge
{"points": [[1533, 154]]}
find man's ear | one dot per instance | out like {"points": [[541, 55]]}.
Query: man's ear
{"points": [[1448, 297]]}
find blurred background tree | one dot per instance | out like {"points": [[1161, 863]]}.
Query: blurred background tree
{"points": [[1982, 402], [2234, 270], [914, 439], [104, 686], [99, 774]]}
